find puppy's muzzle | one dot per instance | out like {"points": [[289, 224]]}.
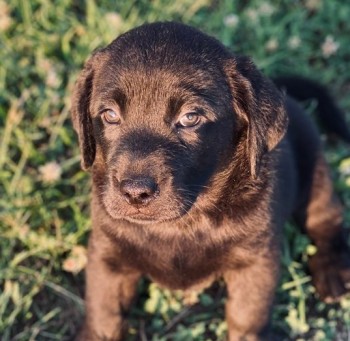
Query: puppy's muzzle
{"points": [[139, 191]]}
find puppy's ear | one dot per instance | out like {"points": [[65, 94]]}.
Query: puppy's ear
{"points": [[80, 110], [259, 107]]}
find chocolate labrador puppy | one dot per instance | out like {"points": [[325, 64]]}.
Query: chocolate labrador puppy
{"points": [[195, 170]]}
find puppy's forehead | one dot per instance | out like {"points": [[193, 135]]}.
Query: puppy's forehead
{"points": [[160, 81], [169, 44], [155, 62]]}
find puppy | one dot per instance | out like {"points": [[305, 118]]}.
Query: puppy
{"points": [[195, 171]]}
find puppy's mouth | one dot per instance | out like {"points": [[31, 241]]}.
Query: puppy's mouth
{"points": [[160, 213], [142, 220], [148, 218], [140, 217]]}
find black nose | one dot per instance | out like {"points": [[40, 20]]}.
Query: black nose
{"points": [[138, 191]]}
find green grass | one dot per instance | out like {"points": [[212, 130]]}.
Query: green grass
{"points": [[44, 219]]}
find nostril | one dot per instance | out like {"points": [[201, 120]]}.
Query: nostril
{"points": [[127, 194], [138, 191], [144, 195]]}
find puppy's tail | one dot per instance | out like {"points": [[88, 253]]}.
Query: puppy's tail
{"points": [[331, 116]]}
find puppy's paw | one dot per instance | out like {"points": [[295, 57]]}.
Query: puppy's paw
{"points": [[88, 335], [331, 274]]}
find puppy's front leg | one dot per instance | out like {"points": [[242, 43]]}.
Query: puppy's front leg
{"points": [[110, 289], [250, 295]]}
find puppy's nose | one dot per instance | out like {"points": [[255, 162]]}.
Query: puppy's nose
{"points": [[138, 191]]}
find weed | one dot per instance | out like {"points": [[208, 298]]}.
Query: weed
{"points": [[44, 218]]}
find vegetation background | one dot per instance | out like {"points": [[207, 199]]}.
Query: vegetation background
{"points": [[44, 212]]}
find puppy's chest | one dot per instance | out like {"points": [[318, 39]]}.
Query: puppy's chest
{"points": [[178, 263]]}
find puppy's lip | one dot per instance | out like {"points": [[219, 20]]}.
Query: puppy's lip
{"points": [[144, 219], [140, 216]]}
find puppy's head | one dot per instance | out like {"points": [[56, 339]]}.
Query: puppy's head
{"points": [[160, 113]]}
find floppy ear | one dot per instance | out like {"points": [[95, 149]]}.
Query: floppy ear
{"points": [[260, 108], [81, 117]]}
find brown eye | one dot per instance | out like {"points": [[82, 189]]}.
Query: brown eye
{"points": [[189, 120], [111, 116]]}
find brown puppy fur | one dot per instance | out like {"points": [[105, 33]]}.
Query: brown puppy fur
{"points": [[194, 174]]}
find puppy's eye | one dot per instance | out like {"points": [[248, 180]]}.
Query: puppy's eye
{"points": [[111, 116], [190, 119]]}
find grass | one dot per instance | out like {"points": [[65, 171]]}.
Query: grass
{"points": [[44, 214]]}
